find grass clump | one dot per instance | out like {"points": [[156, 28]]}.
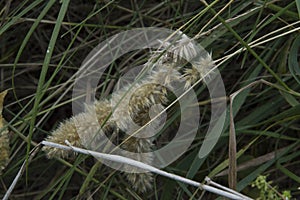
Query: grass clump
{"points": [[43, 44]]}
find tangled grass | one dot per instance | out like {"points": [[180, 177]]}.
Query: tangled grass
{"points": [[255, 45]]}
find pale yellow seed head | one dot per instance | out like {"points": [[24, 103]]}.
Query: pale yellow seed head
{"points": [[4, 139]]}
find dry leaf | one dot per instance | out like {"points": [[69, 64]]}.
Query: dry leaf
{"points": [[4, 140]]}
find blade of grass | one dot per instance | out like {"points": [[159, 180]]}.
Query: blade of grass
{"points": [[293, 59], [39, 91], [15, 19], [225, 163], [288, 172], [298, 7], [240, 99], [25, 41], [252, 176], [287, 13], [236, 35]]}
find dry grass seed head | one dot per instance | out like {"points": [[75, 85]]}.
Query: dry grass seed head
{"points": [[4, 139]]}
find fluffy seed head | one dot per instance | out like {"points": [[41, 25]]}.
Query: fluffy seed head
{"points": [[81, 130], [200, 69], [132, 104], [65, 131], [4, 139]]}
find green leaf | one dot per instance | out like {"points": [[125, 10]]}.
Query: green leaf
{"points": [[252, 176], [40, 92], [298, 7], [290, 99], [294, 66], [15, 19], [291, 112]]}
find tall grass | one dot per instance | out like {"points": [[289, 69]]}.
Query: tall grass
{"points": [[255, 44]]}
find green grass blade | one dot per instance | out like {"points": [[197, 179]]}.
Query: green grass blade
{"points": [[40, 92], [293, 60], [16, 18]]}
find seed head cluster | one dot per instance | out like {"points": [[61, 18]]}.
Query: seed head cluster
{"points": [[129, 109]]}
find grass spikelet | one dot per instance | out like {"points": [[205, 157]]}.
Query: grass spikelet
{"points": [[4, 139], [142, 99], [200, 69], [80, 129], [66, 131]]}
